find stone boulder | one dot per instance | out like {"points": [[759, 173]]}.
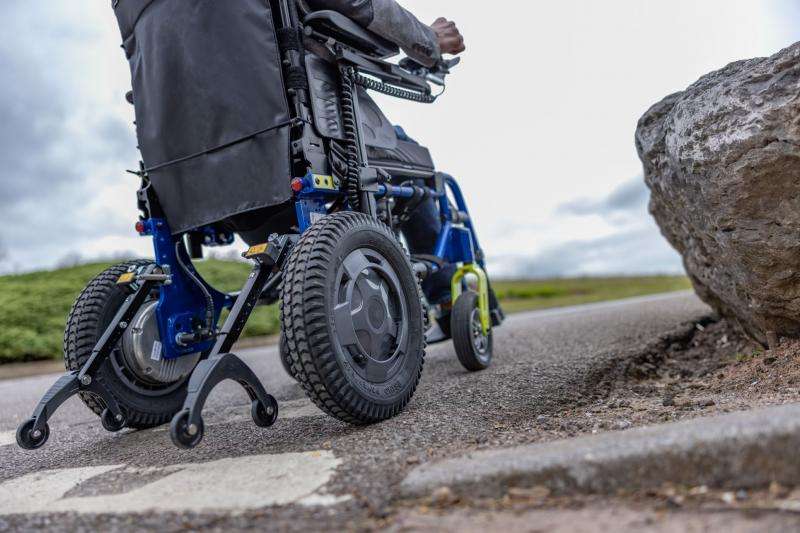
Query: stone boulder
{"points": [[722, 161]]}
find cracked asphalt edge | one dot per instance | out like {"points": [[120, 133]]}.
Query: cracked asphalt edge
{"points": [[741, 450]]}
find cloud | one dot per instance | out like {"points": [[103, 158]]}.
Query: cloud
{"points": [[32, 127], [629, 197], [630, 242], [639, 251], [57, 142]]}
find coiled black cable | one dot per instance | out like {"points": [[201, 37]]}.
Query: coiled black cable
{"points": [[391, 90], [350, 128]]}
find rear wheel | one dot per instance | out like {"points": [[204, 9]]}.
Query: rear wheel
{"points": [[286, 358], [353, 319], [149, 392]]}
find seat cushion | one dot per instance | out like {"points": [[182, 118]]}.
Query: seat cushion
{"points": [[406, 155]]}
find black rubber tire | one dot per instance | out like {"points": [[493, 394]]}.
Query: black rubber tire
{"points": [[264, 415], [462, 328], [90, 316], [179, 431], [445, 323], [307, 299], [286, 358], [26, 440]]}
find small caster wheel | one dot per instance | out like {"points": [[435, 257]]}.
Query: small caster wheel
{"points": [[110, 422], [183, 434], [264, 415], [28, 439], [473, 346]]}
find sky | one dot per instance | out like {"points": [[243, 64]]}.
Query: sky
{"points": [[537, 125]]}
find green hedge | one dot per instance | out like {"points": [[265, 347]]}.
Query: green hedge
{"points": [[33, 307]]}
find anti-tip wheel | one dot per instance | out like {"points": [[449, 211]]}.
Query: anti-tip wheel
{"points": [[264, 415], [183, 434], [28, 439], [110, 422], [473, 346]]}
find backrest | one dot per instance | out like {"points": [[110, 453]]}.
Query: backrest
{"points": [[211, 109]]}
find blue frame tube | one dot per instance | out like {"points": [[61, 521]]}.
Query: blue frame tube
{"points": [[444, 206], [181, 302]]}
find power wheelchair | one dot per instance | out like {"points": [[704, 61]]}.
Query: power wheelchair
{"points": [[143, 343]]}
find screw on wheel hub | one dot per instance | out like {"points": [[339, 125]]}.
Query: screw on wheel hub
{"points": [[141, 350], [370, 314]]}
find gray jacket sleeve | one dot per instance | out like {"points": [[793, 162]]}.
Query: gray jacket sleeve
{"points": [[390, 20]]}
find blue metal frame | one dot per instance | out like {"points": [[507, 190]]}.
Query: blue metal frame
{"points": [[457, 241], [182, 304]]}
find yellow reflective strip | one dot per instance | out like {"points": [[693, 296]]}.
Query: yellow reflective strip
{"points": [[257, 250], [126, 278]]}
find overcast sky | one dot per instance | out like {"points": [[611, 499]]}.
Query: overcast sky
{"points": [[537, 124]]}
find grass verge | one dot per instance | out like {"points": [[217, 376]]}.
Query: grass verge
{"points": [[33, 307]]}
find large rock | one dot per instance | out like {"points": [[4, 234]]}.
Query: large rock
{"points": [[722, 161]]}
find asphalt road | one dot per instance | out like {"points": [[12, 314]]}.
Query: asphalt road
{"points": [[310, 471]]}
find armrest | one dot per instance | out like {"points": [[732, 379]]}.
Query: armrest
{"points": [[334, 24]]}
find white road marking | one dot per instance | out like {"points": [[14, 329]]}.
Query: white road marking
{"points": [[8, 438], [37, 491], [231, 484]]}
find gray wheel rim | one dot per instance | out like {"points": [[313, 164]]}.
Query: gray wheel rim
{"points": [[370, 315], [134, 382], [480, 341]]}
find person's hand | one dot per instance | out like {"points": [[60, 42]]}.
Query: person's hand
{"points": [[450, 39]]}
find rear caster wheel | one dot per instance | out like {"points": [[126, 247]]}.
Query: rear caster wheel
{"points": [[264, 415], [110, 422], [147, 393], [473, 346], [29, 439], [183, 434]]}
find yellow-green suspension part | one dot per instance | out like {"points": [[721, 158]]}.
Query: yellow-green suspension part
{"points": [[483, 291]]}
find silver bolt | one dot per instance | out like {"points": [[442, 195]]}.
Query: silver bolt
{"points": [[119, 417], [86, 380], [123, 325], [192, 429], [36, 434], [270, 410]]}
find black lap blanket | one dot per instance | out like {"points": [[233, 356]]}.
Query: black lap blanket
{"points": [[211, 110]]}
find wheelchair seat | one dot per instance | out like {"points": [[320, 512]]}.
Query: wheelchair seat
{"points": [[405, 158], [334, 24]]}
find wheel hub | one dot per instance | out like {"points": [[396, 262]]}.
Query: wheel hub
{"points": [[377, 313], [370, 314], [142, 352]]}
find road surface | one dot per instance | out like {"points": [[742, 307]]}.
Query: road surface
{"points": [[311, 471]]}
